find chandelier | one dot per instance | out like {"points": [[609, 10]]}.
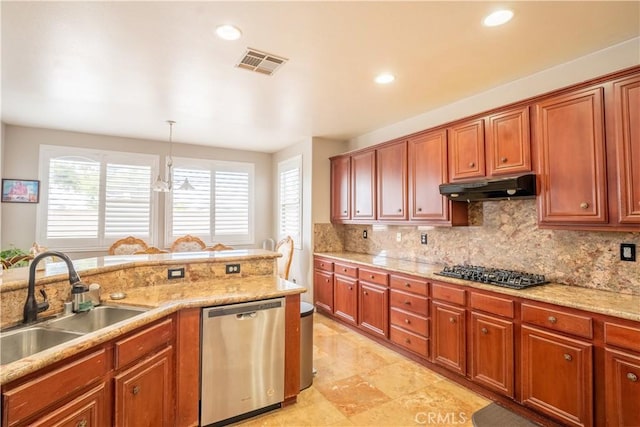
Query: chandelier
{"points": [[166, 185]]}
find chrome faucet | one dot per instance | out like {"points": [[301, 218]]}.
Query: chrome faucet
{"points": [[31, 306]]}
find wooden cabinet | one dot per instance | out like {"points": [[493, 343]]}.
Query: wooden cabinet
{"points": [[340, 188], [323, 285], [373, 301], [363, 186], [571, 148], [627, 139], [466, 150], [507, 142], [144, 393], [427, 170], [391, 181], [346, 293], [409, 314], [449, 336], [87, 410], [557, 375]]}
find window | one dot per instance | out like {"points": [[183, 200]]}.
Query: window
{"points": [[94, 197], [290, 200], [220, 209]]}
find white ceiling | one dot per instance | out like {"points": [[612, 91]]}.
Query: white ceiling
{"points": [[123, 68]]}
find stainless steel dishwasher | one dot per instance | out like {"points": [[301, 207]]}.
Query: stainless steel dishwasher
{"points": [[242, 360]]}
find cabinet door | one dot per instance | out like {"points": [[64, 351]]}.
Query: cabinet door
{"points": [[373, 309], [87, 410], [449, 336], [622, 388], [627, 127], [323, 290], [466, 150], [508, 144], [492, 353], [427, 170], [144, 393], [392, 181], [363, 185], [570, 138], [346, 298], [340, 188], [557, 376]]}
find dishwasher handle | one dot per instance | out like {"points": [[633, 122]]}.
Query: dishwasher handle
{"points": [[250, 315]]}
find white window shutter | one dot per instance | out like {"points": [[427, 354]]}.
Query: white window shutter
{"points": [[290, 200]]}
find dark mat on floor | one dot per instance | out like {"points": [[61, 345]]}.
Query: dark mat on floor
{"points": [[495, 415]]}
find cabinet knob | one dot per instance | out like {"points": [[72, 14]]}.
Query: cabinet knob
{"points": [[372, 277], [407, 321], [568, 357], [419, 209], [350, 288], [632, 377], [552, 319], [357, 211], [82, 423], [452, 320], [399, 210], [344, 269], [407, 285], [584, 205], [366, 293], [135, 390], [472, 164], [503, 159], [344, 212], [407, 341], [407, 303], [484, 331]]}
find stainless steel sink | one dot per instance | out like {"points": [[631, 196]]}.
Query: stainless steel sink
{"points": [[21, 343], [97, 318]]}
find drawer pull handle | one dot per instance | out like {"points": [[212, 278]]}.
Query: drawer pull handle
{"points": [[372, 277], [484, 331], [407, 285], [136, 390], [452, 320], [584, 205], [632, 377], [344, 269], [552, 319], [407, 321], [82, 423], [407, 303], [568, 357]]}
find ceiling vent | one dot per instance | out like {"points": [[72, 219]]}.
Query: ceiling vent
{"points": [[260, 62]]}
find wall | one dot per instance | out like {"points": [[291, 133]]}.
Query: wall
{"points": [[502, 234], [20, 160]]}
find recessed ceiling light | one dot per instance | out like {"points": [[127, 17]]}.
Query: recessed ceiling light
{"points": [[384, 78], [498, 17], [228, 32]]}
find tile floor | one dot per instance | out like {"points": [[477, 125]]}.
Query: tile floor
{"points": [[361, 383]]}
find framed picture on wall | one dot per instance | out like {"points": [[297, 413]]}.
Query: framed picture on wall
{"points": [[20, 191]]}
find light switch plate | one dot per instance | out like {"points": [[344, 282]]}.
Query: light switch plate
{"points": [[628, 252]]}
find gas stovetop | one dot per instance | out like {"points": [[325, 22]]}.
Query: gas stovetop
{"points": [[494, 276]]}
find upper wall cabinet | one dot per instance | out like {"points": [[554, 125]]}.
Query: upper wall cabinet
{"points": [[507, 142], [627, 135], [466, 150], [363, 186], [392, 181], [340, 188]]}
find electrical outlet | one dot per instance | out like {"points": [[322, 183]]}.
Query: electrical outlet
{"points": [[627, 252], [398, 236], [175, 273], [232, 268], [364, 234], [423, 238]]}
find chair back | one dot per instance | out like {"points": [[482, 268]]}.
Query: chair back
{"points": [[188, 243], [285, 247], [127, 246], [152, 250], [218, 247]]}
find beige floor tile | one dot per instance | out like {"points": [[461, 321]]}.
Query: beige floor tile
{"points": [[387, 414], [401, 378], [353, 395]]}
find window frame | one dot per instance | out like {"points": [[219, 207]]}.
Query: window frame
{"points": [[289, 164]]}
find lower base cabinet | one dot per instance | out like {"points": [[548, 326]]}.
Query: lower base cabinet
{"points": [[557, 376], [622, 388], [373, 309], [345, 303], [449, 337], [87, 410]]}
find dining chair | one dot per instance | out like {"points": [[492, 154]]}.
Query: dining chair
{"points": [[151, 250], [127, 246], [188, 243], [285, 247], [218, 247]]}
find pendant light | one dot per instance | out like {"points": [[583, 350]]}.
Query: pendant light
{"points": [[166, 185]]}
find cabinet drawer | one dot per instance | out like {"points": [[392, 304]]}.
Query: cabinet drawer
{"points": [[622, 336], [410, 341], [87, 410], [410, 321], [408, 284], [405, 301], [35, 395], [345, 270], [373, 276], [491, 304], [447, 293], [574, 324], [323, 264], [139, 345]]}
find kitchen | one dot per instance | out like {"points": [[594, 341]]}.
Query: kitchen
{"points": [[501, 233]]}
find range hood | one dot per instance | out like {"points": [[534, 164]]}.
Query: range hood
{"points": [[511, 187]]}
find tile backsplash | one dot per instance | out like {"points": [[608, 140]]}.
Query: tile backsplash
{"points": [[502, 234]]}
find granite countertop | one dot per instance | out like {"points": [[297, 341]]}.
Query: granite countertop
{"points": [[162, 300], [594, 300]]}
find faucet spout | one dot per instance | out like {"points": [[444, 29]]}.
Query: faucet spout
{"points": [[31, 306]]}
